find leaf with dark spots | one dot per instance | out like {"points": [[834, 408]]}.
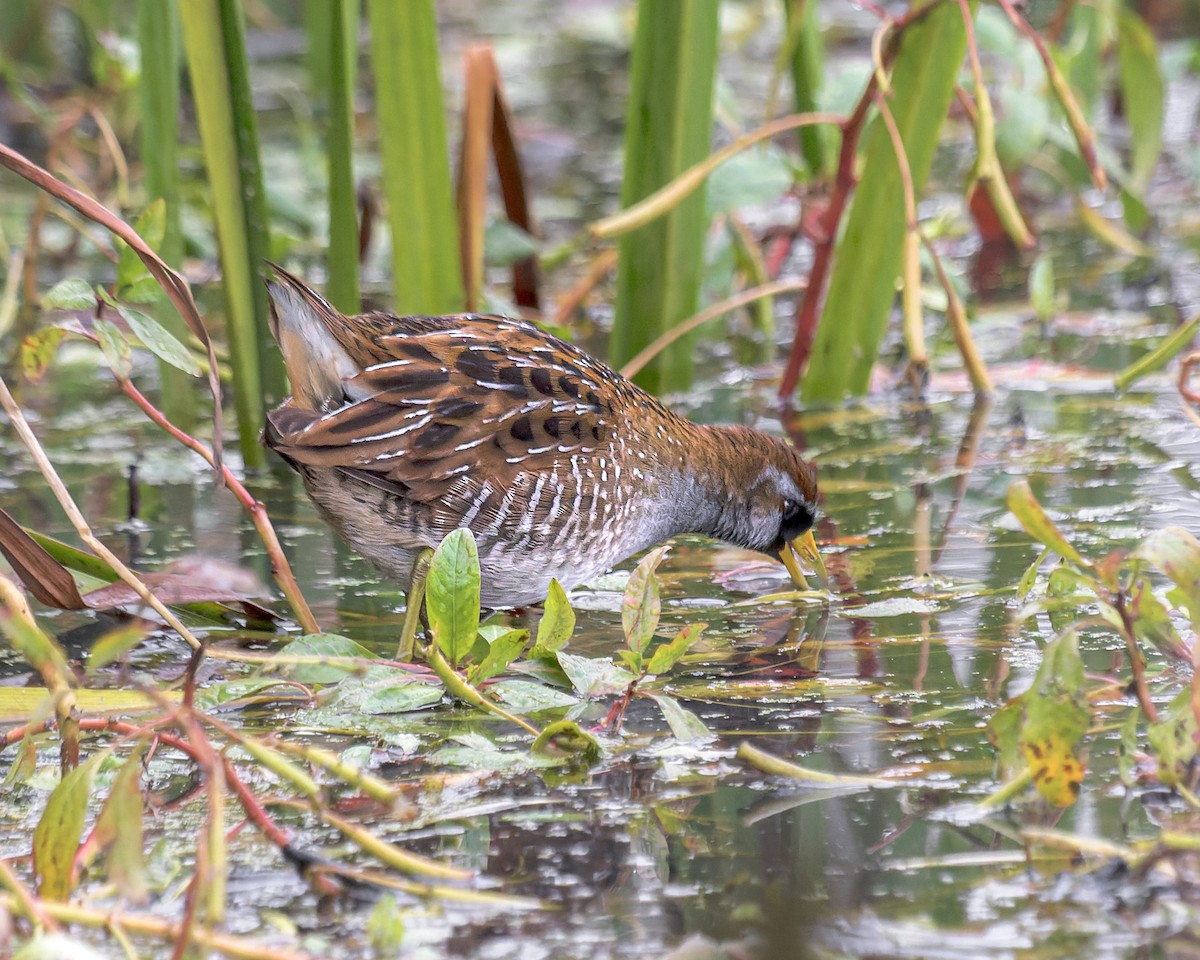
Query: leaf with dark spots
{"points": [[47, 579]]}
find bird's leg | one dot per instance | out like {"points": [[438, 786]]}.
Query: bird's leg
{"points": [[414, 605]]}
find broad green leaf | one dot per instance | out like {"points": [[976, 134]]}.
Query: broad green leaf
{"points": [[452, 595], [400, 696], [327, 646], [1141, 92], [1176, 552], [683, 723], [38, 351], [1037, 523], [159, 341], [73, 293], [56, 837], [642, 605], [385, 927], [501, 652], [17, 703], [557, 623], [1056, 718], [504, 243], [755, 177], [1152, 623], [666, 655], [115, 348], [594, 678], [1041, 287], [151, 226], [1173, 739], [1004, 730], [524, 696], [119, 829]]}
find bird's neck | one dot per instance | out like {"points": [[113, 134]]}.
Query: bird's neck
{"points": [[709, 477]]}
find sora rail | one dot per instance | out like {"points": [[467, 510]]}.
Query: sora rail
{"points": [[406, 428]]}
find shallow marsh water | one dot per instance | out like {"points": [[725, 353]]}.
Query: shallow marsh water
{"points": [[665, 840]]}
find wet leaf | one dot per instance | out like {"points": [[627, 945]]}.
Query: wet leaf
{"points": [[1056, 718], [557, 623], [524, 696], [684, 724], [1029, 577], [502, 651], [47, 579], [159, 341], [56, 837], [73, 293], [115, 348], [666, 655], [594, 678], [1004, 730], [1037, 523], [504, 243], [642, 604], [1041, 287], [327, 646], [1173, 739], [401, 695], [119, 829], [17, 704], [1176, 552], [452, 595], [38, 351], [1152, 623], [564, 738]]}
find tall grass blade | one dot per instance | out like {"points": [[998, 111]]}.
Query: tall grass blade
{"points": [[807, 64], [342, 40], [416, 167], [669, 128], [863, 282], [158, 43]]}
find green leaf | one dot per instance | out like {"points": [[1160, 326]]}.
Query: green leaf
{"points": [[115, 348], [38, 351], [156, 338], [1176, 552], [683, 723], [557, 623], [501, 652], [119, 829], [452, 595], [385, 926], [504, 243], [115, 643], [1004, 730], [383, 690], [1041, 287], [1173, 739], [666, 655], [1056, 718], [565, 738], [1142, 92], [524, 696], [56, 837], [641, 606], [1030, 575], [594, 678], [327, 646], [152, 226], [755, 177], [1037, 523], [73, 293]]}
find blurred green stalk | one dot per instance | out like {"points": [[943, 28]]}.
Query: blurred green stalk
{"points": [[342, 288], [213, 39], [411, 116], [668, 129], [158, 42]]}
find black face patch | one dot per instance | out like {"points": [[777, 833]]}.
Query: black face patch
{"points": [[797, 520]]}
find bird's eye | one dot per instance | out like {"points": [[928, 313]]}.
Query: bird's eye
{"points": [[797, 519]]}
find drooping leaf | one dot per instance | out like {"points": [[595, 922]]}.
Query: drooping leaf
{"points": [[666, 655], [56, 837], [73, 293], [152, 227], [501, 652], [1037, 523], [557, 623], [1176, 552], [642, 605], [684, 724], [1141, 83], [564, 738], [115, 348], [452, 595], [159, 341]]}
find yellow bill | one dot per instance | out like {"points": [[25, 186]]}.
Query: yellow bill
{"points": [[804, 548]]}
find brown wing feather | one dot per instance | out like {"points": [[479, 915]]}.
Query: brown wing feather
{"points": [[448, 393]]}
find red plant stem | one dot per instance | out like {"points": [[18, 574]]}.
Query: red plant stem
{"points": [[1135, 657], [280, 567]]}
